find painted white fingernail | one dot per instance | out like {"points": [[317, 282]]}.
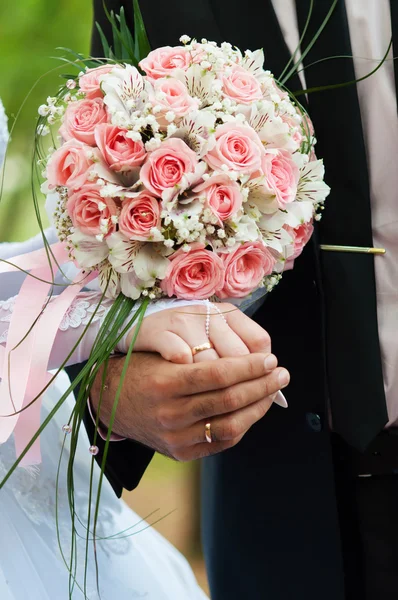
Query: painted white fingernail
{"points": [[280, 400]]}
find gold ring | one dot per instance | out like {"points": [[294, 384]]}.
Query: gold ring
{"points": [[208, 437], [201, 348]]}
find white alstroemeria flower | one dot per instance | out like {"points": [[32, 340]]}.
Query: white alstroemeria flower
{"points": [[254, 62], [311, 185], [246, 230], [301, 160], [299, 212], [197, 130], [109, 281], [273, 222], [143, 259], [122, 252], [189, 180], [282, 244], [101, 170], [200, 83], [260, 196], [272, 130], [149, 264], [124, 90], [110, 190], [88, 250], [132, 286]]}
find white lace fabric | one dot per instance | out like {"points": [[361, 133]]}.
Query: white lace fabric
{"points": [[72, 326]]}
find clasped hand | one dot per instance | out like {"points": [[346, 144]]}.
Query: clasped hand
{"points": [[169, 394]]}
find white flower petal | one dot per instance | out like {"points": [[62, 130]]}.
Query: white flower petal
{"points": [[299, 213], [88, 251], [109, 281], [149, 264], [122, 252]]}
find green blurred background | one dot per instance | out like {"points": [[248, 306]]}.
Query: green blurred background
{"points": [[30, 32]]}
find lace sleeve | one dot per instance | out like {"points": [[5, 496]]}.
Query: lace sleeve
{"points": [[71, 328], [74, 322]]}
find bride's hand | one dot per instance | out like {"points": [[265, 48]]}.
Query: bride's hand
{"points": [[174, 332]]}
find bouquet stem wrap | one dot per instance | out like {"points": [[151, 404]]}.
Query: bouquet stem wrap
{"points": [[24, 361]]}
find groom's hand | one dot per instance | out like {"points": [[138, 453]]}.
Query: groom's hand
{"points": [[166, 406]]}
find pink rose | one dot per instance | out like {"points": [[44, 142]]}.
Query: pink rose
{"points": [[172, 95], [165, 167], [163, 61], [120, 152], [301, 236], [245, 268], [223, 196], [238, 147], [69, 165], [281, 175], [241, 86], [139, 215], [90, 82], [194, 275], [81, 118], [90, 213]]}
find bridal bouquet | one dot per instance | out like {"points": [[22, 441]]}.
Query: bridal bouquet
{"points": [[193, 176], [186, 172]]}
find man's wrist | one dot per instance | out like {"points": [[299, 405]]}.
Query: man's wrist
{"points": [[101, 429]]}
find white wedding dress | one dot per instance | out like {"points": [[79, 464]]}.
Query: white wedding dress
{"points": [[139, 563]]}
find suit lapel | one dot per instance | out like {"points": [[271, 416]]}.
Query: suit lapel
{"points": [[355, 378], [394, 26], [250, 24]]}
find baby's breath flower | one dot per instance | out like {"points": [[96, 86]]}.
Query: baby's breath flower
{"points": [[185, 39], [43, 130], [43, 110], [171, 129], [134, 135]]}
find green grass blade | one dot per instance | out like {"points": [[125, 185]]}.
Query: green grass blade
{"points": [[104, 41], [311, 44], [335, 86], [293, 56], [142, 45]]}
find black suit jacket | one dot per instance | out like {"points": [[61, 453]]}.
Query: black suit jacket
{"points": [[269, 518]]}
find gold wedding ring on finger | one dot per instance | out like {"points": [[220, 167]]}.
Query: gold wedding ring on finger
{"points": [[202, 347], [208, 435]]}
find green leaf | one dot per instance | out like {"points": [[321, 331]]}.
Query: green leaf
{"points": [[142, 46], [104, 41], [117, 46], [128, 40]]}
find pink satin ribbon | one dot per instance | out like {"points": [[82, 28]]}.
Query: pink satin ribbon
{"points": [[24, 365]]}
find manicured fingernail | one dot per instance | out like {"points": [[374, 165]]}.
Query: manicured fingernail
{"points": [[270, 362], [284, 378], [280, 400]]}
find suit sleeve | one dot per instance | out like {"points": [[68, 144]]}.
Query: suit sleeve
{"points": [[127, 460]]}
